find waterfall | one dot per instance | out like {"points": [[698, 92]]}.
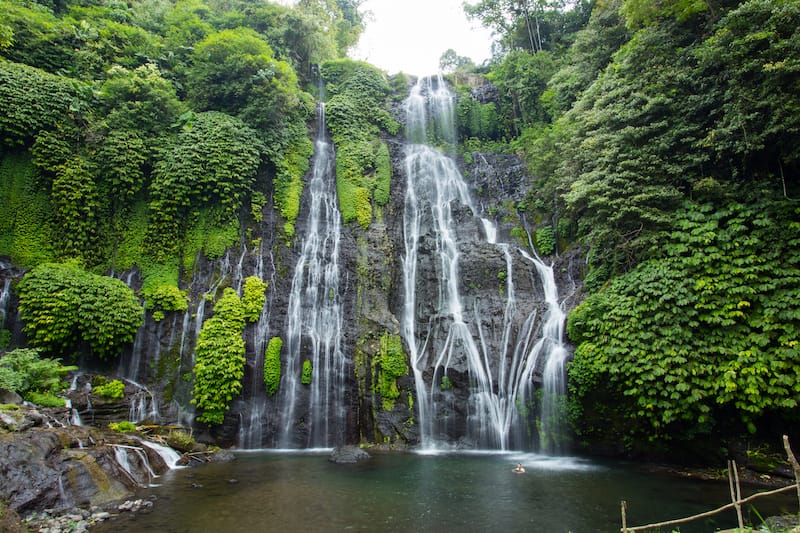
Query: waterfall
{"points": [[500, 375], [5, 294], [313, 414], [251, 427], [553, 374]]}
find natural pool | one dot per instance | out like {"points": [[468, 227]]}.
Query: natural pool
{"points": [[273, 491]]}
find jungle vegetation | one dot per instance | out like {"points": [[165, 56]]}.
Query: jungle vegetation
{"points": [[662, 141]]}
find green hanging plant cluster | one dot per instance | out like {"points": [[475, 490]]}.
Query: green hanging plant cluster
{"points": [[219, 367], [253, 297], [272, 365]]}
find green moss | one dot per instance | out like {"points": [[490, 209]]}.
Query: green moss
{"points": [[305, 379], [383, 174], [288, 180], [272, 365], [125, 426], [388, 365], [45, 399], [363, 207]]}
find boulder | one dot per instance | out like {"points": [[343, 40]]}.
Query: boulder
{"points": [[345, 455]]}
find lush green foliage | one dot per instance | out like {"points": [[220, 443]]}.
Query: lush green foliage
{"points": [[23, 371], [68, 310], [356, 115], [213, 162], [388, 365], [253, 297], [113, 390], [545, 240], [708, 328], [219, 367], [167, 298], [25, 231], [272, 365], [32, 100]]}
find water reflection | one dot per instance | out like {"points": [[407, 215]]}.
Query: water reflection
{"points": [[446, 492]]}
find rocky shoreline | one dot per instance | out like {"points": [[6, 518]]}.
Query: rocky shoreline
{"points": [[56, 476]]}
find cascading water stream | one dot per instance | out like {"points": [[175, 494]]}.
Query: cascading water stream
{"points": [[252, 424], [5, 294], [499, 383], [313, 414]]}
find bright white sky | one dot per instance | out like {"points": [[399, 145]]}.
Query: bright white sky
{"points": [[411, 35]]}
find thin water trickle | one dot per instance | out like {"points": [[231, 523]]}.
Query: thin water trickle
{"points": [[314, 321]]}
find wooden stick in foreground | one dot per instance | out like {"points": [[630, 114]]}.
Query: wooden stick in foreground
{"points": [[794, 463]]}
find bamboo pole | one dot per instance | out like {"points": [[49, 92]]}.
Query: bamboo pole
{"points": [[709, 513], [734, 495], [738, 495], [623, 507], [794, 463]]}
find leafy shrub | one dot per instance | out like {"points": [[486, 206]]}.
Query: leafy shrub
{"points": [[272, 365], [356, 115], [213, 162], [220, 359], [113, 390], [545, 239], [167, 298], [125, 426], [32, 100], [702, 337], [253, 297], [23, 371], [65, 308]]}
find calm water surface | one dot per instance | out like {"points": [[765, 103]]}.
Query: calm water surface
{"points": [[465, 492]]}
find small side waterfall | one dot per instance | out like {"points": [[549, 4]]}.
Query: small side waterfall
{"points": [[5, 295], [501, 374], [313, 409], [251, 428]]}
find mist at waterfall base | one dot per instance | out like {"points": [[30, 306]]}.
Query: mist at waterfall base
{"points": [[268, 491]]}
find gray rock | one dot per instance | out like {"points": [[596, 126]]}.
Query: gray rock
{"points": [[344, 455]]}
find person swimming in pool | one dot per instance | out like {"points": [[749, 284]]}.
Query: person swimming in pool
{"points": [[519, 469]]}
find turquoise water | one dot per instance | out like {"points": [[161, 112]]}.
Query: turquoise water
{"points": [[269, 491]]}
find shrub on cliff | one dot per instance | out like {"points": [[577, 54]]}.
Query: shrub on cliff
{"points": [[68, 310]]}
